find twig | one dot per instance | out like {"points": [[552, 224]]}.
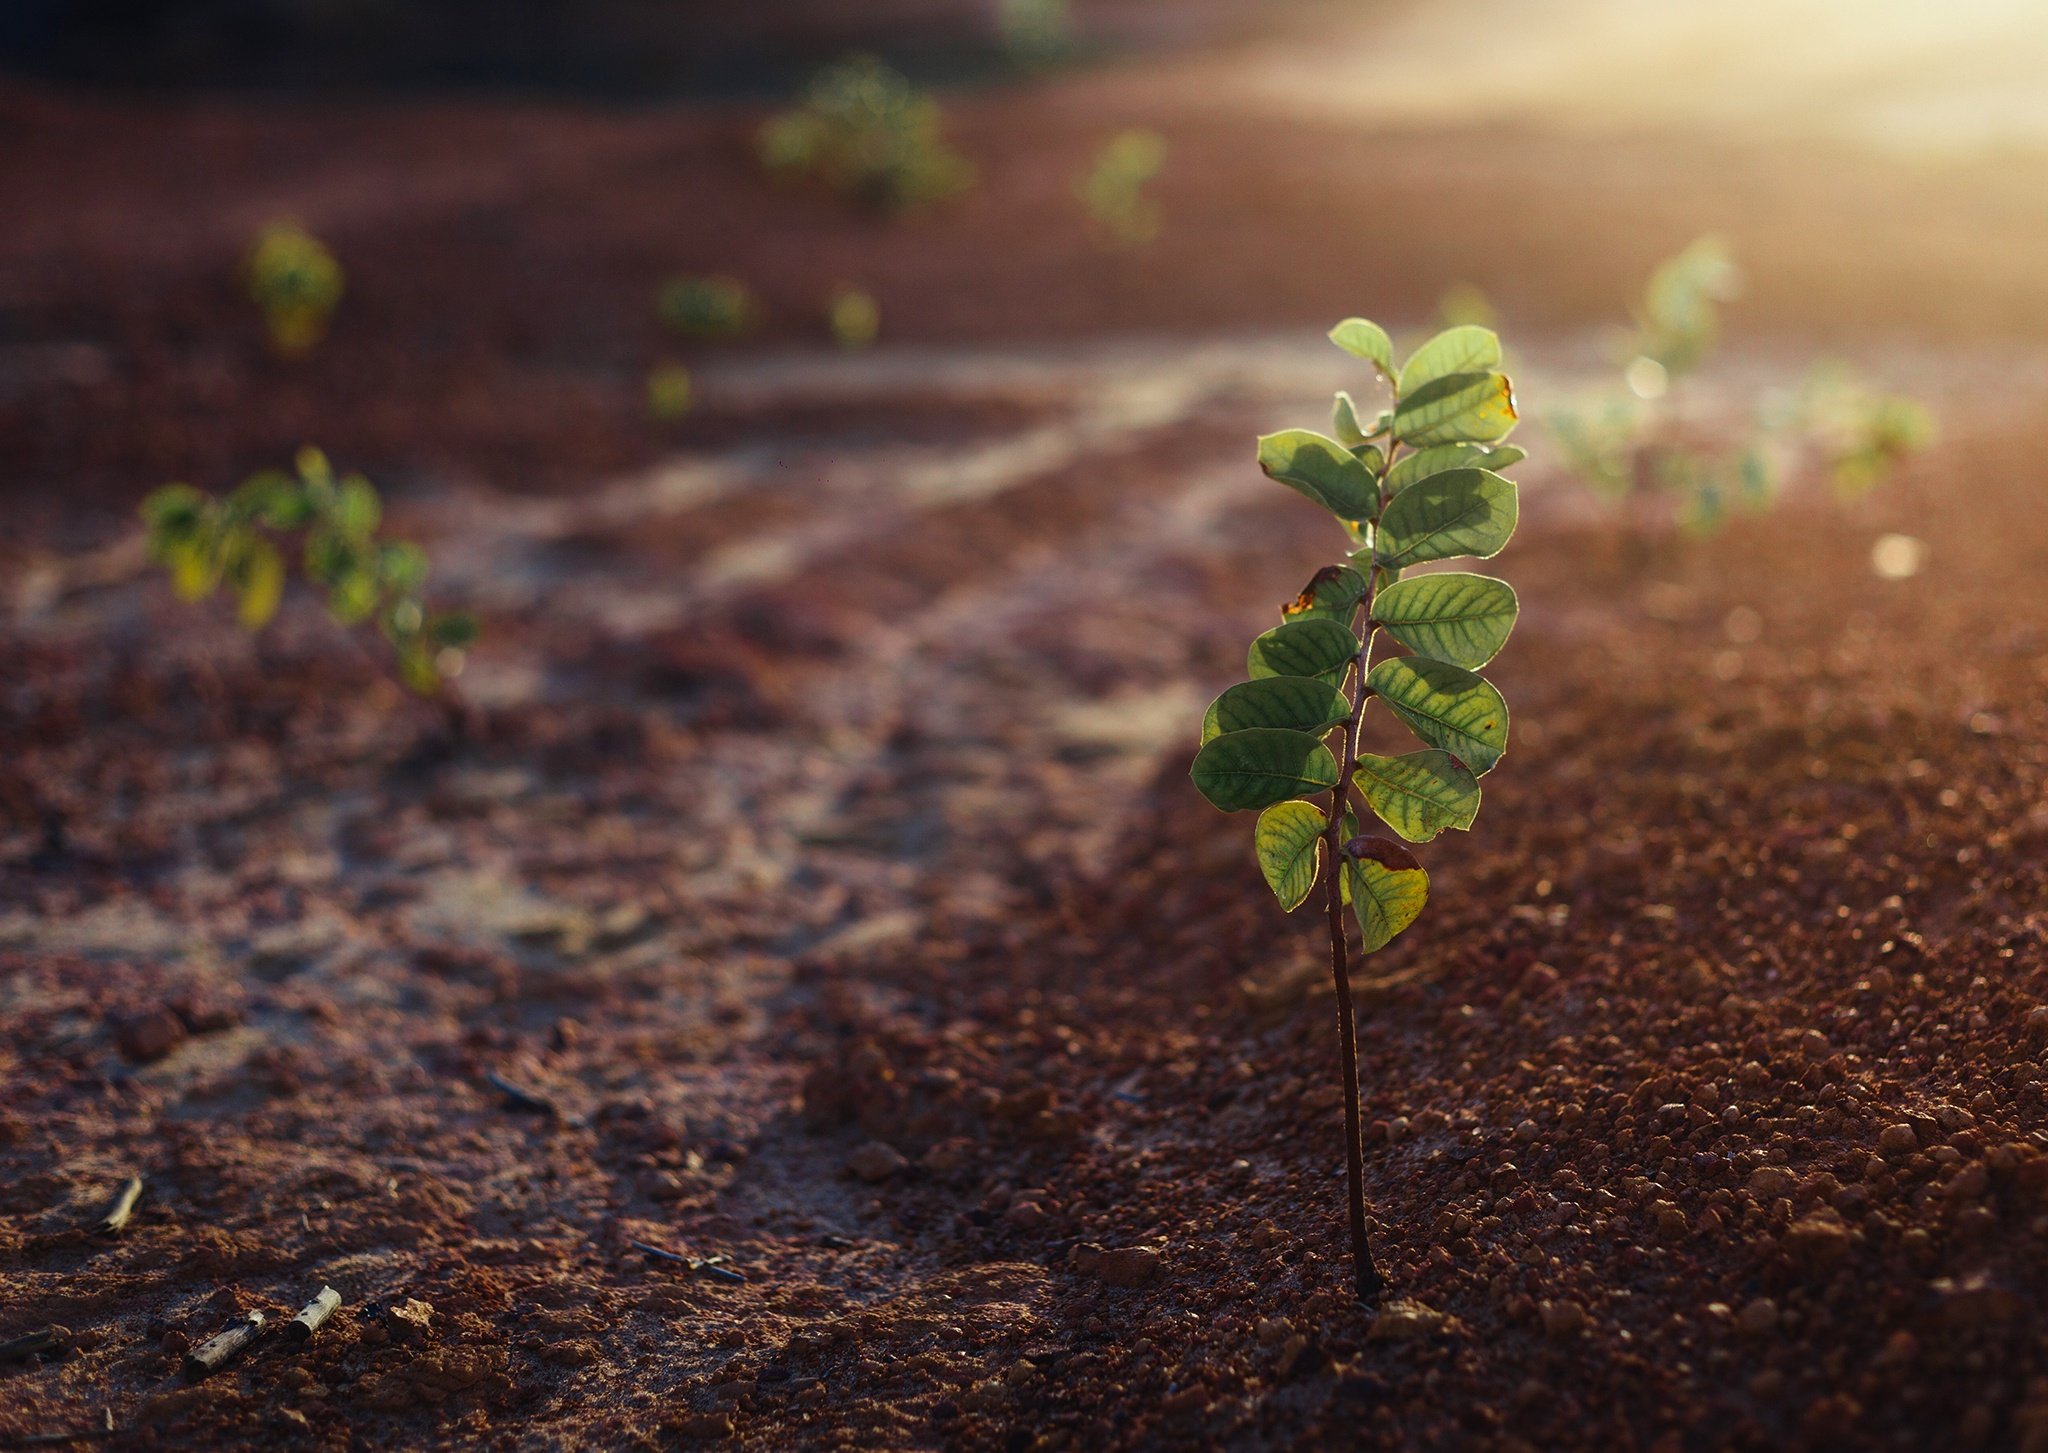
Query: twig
{"points": [[523, 1099], [63, 1438], [302, 1327], [216, 1351], [123, 1207], [51, 1341], [711, 1266]]}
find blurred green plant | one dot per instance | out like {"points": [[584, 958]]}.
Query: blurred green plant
{"points": [[1464, 303], [1679, 318], [1113, 189], [670, 392], [1638, 438], [296, 281], [1858, 434], [865, 132], [855, 317], [1416, 485], [207, 543], [1037, 32], [707, 307]]}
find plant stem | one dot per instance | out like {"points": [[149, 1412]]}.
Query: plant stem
{"points": [[1366, 1274], [1368, 1280]]}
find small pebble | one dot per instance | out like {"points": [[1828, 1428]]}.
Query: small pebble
{"points": [[1758, 1319], [1122, 1266], [875, 1162]]}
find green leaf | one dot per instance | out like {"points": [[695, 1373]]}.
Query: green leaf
{"points": [[1464, 349], [1386, 897], [195, 568], [275, 498], [457, 628], [403, 566], [1455, 512], [353, 597], [1457, 408], [1334, 593], [330, 556], [1288, 844], [1446, 706], [1419, 794], [1366, 340], [173, 514], [1346, 833], [1321, 469], [259, 576], [313, 466], [357, 509], [1295, 702], [1450, 616], [1344, 421], [1316, 647], [1414, 468], [417, 669], [1261, 766]]}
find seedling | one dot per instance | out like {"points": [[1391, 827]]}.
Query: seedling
{"points": [[1417, 484], [708, 308], [865, 132], [669, 392], [295, 280], [1640, 439], [207, 543], [1113, 190], [1858, 435], [856, 319], [1037, 32], [1464, 303]]}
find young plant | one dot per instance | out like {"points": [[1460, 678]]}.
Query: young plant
{"points": [[855, 317], [1113, 190], [864, 131], [1036, 33], [708, 308], [1640, 440], [1417, 484], [207, 543], [1858, 435], [670, 392], [295, 280]]}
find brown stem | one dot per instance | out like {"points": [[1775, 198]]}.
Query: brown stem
{"points": [[1368, 1280], [1366, 1274]]}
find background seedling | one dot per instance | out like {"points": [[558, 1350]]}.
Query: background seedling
{"points": [[1464, 303], [669, 392], [296, 281], [1037, 32], [1113, 190], [855, 317], [707, 308], [207, 543], [1418, 484], [1639, 439], [865, 132]]}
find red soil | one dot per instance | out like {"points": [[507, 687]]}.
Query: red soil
{"points": [[848, 906]]}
